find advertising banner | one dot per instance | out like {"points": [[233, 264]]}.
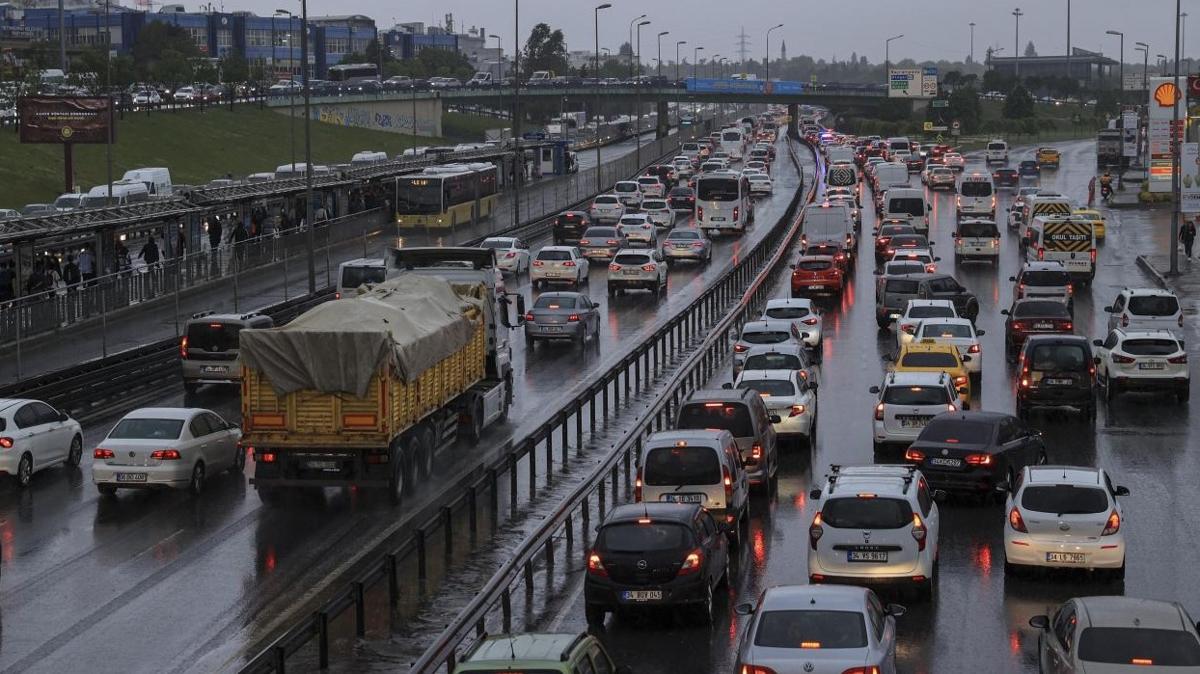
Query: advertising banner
{"points": [[1189, 199], [1164, 97], [730, 86], [1129, 124], [64, 119]]}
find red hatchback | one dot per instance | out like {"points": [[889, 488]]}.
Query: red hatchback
{"points": [[1034, 317], [817, 275]]}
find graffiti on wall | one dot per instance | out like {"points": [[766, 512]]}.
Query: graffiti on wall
{"points": [[365, 118]]}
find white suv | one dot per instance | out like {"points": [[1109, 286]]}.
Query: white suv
{"points": [[1064, 517], [637, 269], [788, 394], [1142, 360], [630, 194], [917, 311], [907, 402], [1145, 309], [559, 264], [606, 208], [874, 524], [803, 314], [637, 229]]}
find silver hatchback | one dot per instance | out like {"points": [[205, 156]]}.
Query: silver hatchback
{"points": [[562, 315], [687, 244], [600, 243]]}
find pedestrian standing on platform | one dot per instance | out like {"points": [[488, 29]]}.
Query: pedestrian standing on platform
{"points": [[6, 281], [1187, 234], [150, 253], [70, 272], [180, 243], [214, 234], [87, 264]]}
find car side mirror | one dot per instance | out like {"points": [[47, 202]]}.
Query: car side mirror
{"points": [[932, 244], [727, 386], [1097, 342], [954, 234], [1096, 360], [1004, 312], [961, 390], [1040, 622], [775, 418], [966, 359], [895, 610], [940, 495], [1012, 278], [812, 386], [980, 333], [1121, 491], [936, 259], [1002, 486], [874, 389], [791, 266], [744, 609], [63, 416], [814, 493], [1108, 310]]}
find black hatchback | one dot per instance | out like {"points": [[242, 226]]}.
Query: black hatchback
{"points": [[682, 199], [1056, 372], [569, 227], [1005, 177], [1029, 167], [655, 555], [974, 452]]}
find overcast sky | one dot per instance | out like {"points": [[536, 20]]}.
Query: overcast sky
{"points": [[823, 28]]}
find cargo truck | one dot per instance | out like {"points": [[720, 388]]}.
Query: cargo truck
{"points": [[367, 390]]}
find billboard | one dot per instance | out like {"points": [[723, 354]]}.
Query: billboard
{"points": [[1165, 99], [1189, 189], [1129, 130], [64, 119], [739, 86], [912, 83], [929, 83]]}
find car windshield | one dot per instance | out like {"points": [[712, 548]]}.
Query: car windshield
{"points": [[905, 268], [997, 146], [895, 230], [1052, 357], [553, 255], [502, 244], [765, 337], [599, 232], [814, 265], [636, 537], [607, 200], [681, 466], [896, 285], [684, 235], [681, 192], [732, 417], [1153, 305], [555, 302], [866, 513], [811, 629], [1139, 645], [1042, 309], [353, 277], [916, 395], [1150, 347], [787, 312], [770, 387], [653, 204], [1046, 278], [147, 429], [1064, 499], [908, 205], [978, 230], [773, 361], [929, 359], [636, 220], [957, 431], [717, 189], [216, 336], [627, 187], [648, 181], [931, 312], [975, 188], [946, 330]]}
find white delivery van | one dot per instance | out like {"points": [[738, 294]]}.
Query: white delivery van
{"points": [[123, 193], [297, 171], [838, 154], [976, 195], [908, 204], [843, 174], [367, 158], [355, 273], [1068, 240], [829, 222], [997, 151], [157, 180]]}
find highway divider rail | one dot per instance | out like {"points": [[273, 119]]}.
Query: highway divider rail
{"points": [[707, 321]]}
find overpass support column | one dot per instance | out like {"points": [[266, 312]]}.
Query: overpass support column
{"points": [[664, 119], [793, 111]]}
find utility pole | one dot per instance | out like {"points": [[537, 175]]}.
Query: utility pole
{"points": [[1068, 39], [519, 173], [596, 103], [1145, 49], [743, 47], [658, 72], [637, 132], [677, 58], [1175, 148], [1017, 13], [1121, 84], [308, 165], [767, 52], [972, 25], [62, 40]]}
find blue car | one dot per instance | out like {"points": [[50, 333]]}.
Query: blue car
{"points": [[1029, 167]]}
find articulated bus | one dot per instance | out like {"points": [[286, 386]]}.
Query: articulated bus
{"points": [[723, 202], [446, 196], [353, 72]]}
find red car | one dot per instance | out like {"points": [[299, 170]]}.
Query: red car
{"points": [[817, 275], [1034, 317], [939, 150]]}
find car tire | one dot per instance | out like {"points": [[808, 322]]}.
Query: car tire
{"points": [[239, 460], [25, 470], [1118, 574], [196, 483], [75, 453], [1183, 396], [594, 615], [107, 490], [703, 614]]}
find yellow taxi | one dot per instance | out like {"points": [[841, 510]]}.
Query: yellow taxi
{"points": [[1048, 156], [929, 355], [1090, 215]]}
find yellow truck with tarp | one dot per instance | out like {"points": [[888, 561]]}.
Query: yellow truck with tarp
{"points": [[366, 390]]}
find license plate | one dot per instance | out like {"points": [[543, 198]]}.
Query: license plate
{"points": [[817, 287], [1043, 326], [914, 422], [552, 328], [215, 368], [631, 272], [1067, 557], [322, 465], [680, 246], [1150, 366], [866, 556], [131, 477], [641, 595], [1057, 382], [683, 498], [949, 463], [716, 219]]}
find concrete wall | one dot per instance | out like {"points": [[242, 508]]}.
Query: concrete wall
{"points": [[394, 116]]}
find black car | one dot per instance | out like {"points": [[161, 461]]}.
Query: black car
{"points": [[975, 452], [1029, 167], [655, 555], [1056, 372], [681, 199], [1006, 177], [569, 227], [1027, 317], [946, 287]]}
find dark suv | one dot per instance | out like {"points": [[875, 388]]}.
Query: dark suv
{"points": [[1056, 371], [570, 226], [946, 287], [652, 555], [975, 452]]}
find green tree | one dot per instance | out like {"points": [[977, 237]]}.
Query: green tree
{"points": [[1019, 103], [1030, 50], [234, 69], [163, 50], [172, 68], [430, 62], [964, 106], [545, 49]]}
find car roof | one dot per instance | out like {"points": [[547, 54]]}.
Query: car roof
{"points": [[930, 303], [561, 293], [803, 302], [953, 320], [1158, 292], [767, 375], [504, 649], [928, 347], [501, 239], [181, 413], [721, 395], [227, 318], [974, 416], [814, 598], [767, 325], [670, 512], [669, 438], [1048, 265], [1133, 612], [1063, 475], [6, 403], [559, 248], [908, 378], [791, 348]]}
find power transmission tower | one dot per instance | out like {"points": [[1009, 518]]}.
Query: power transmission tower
{"points": [[743, 47]]}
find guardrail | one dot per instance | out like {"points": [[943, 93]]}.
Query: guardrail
{"points": [[631, 375]]}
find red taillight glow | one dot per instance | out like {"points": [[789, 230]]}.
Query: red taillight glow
{"points": [[573, 318], [1041, 253], [183, 347], [585, 242], [974, 348], [614, 267], [538, 263], [756, 669], [101, 453], [756, 452], [797, 410], [815, 530], [595, 566], [1016, 521], [1123, 360], [529, 317], [165, 454], [1176, 360], [569, 263], [872, 669], [914, 455], [637, 486], [727, 481], [979, 459], [740, 348], [691, 563], [919, 531], [1113, 525], [266, 457], [649, 267], [879, 412]]}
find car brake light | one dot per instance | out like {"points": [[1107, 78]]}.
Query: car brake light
{"points": [[908, 327], [1175, 360], [691, 563], [1066, 325], [740, 348], [165, 454], [1041, 253], [979, 459], [614, 267], [183, 347], [585, 242], [1124, 360], [1124, 320], [697, 244], [879, 412], [1016, 521], [883, 240], [637, 487], [538, 263], [919, 531], [1113, 525], [815, 530], [1017, 326], [509, 255], [649, 267], [569, 263], [960, 380], [736, 210], [1093, 256], [699, 212], [756, 452], [529, 317], [809, 321], [573, 318], [595, 566], [797, 410], [101, 453], [911, 454], [727, 481]]}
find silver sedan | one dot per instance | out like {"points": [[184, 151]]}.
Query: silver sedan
{"points": [[687, 244], [562, 315]]}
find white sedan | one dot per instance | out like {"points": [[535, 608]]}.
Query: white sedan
{"points": [[803, 314], [790, 396], [760, 183], [957, 332], [166, 447], [33, 436], [917, 311], [559, 264], [512, 254]]}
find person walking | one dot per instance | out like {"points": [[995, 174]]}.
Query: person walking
{"points": [[1187, 234]]}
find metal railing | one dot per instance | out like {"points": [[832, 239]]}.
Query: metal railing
{"points": [[633, 373]]}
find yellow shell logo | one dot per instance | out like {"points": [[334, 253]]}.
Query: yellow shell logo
{"points": [[1167, 94], [67, 132]]}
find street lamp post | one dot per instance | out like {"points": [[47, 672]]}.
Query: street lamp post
{"points": [[1175, 148], [1145, 49], [292, 89], [519, 172], [1017, 14], [658, 72], [972, 25], [499, 58], [596, 102], [695, 77], [767, 60], [1068, 39], [887, 54], [677, 58], [631, 24], [308, 174], [637, 132], [712, 65], [1121, 84]]}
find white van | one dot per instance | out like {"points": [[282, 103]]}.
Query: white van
{"points": [[997, 151], [123, 193], [843, 174], [157, 180], [367, 158], [840, 154], [355, 273], [260, 177], [733, 141], [908, 204], [480, 79], [1068, 240], [68, 201], [297, 170], [723, 203], [898, 144], [976, 195]]}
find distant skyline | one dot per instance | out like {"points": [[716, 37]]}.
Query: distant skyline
{"points": [[933, 29]]}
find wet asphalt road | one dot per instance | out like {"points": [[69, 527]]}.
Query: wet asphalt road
{"points": [[162, 582], [978, 618]]}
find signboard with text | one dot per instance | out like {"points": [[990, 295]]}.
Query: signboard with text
{"points": [[64, 119], [1189, 195], [1129, 130], [1165, 101], [904, 83], [929, 82]]}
